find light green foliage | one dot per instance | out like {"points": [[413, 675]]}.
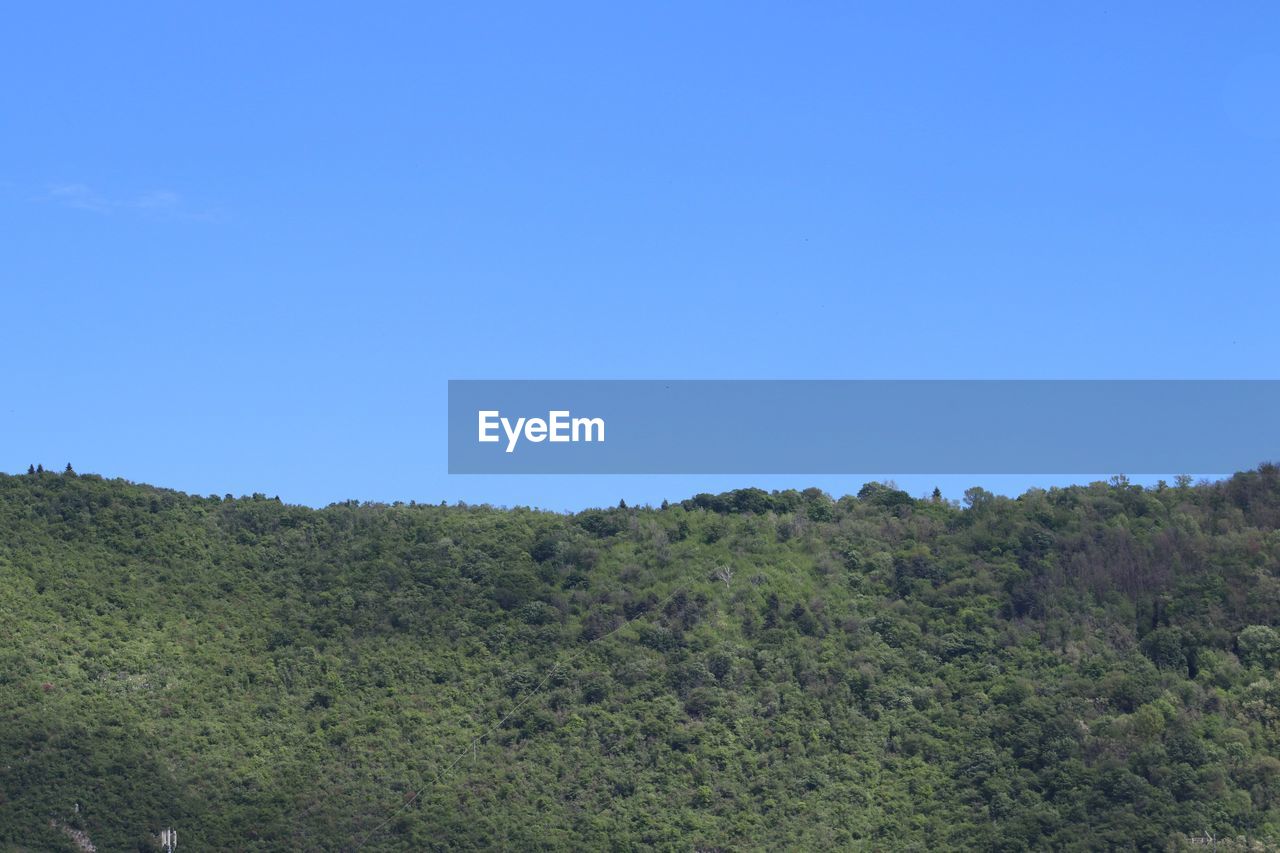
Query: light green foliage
{"points": [[1083, 668]]}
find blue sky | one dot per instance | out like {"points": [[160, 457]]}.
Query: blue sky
{"points": [[243, 249]]}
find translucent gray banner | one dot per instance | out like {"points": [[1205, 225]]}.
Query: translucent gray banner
{"points": [[861, 426]]}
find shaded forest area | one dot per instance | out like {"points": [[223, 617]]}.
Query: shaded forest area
{"points": [[1082, 668]]}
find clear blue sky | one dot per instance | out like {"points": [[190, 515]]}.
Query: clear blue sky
{"points": [[243, 250]]}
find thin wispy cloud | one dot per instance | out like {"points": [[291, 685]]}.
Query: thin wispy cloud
{"points": [[78, 197], [154, 202], [158, 200]]}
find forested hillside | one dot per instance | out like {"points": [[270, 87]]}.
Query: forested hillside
{"points": [[1081, 668]]}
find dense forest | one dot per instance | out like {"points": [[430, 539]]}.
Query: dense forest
{"points": [[1081, 668]]}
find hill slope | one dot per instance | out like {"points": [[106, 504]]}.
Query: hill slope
{"points": [[1082, 668]]}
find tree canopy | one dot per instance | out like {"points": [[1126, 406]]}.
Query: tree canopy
{"points": [[1091, 667]]}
